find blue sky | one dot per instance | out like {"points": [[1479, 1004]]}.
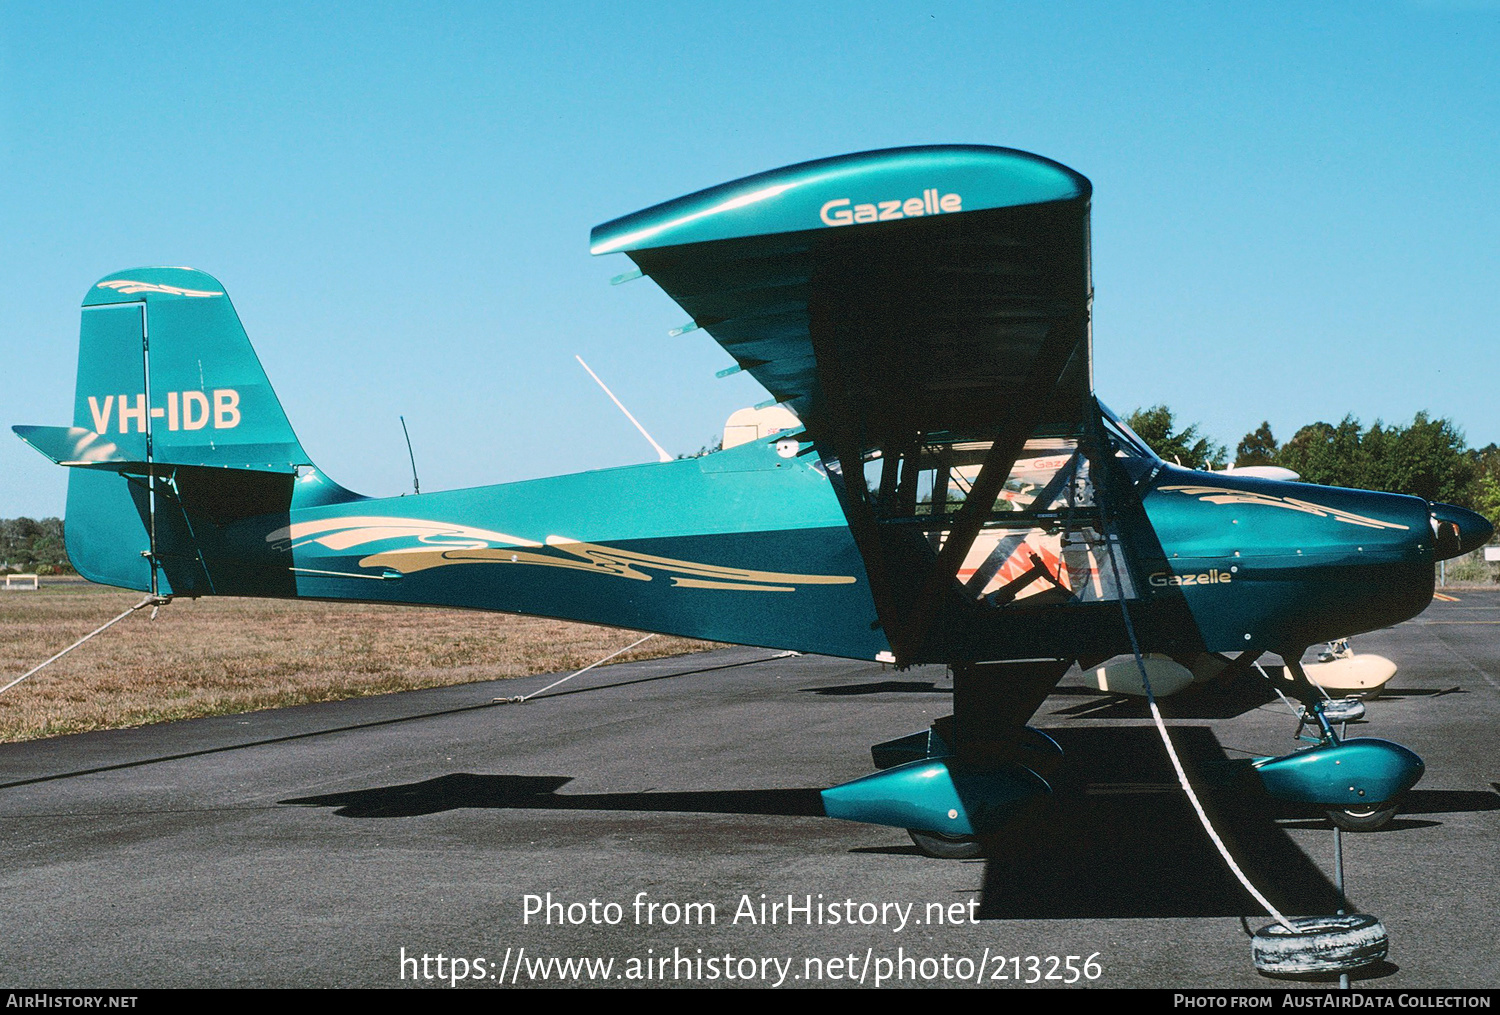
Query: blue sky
{"points": [[1294, 207]]}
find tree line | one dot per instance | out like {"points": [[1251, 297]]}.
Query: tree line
{"points": [[28, 546], [1426, 457]]}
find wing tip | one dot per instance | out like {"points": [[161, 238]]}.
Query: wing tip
{"points": [[893, 182]]}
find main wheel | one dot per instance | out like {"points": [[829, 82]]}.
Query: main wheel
{"points": [[946, 847], [1364, 819]]}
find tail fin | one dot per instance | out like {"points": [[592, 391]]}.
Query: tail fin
{"points": [[163, 354], [173, 420]]}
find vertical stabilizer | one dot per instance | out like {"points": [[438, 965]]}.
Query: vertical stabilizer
{"points": [[176, 432], [163, 360]]}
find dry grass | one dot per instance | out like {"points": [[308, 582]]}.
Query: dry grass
{"points": [[219, 656]]}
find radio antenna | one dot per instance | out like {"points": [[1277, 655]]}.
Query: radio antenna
{"points": [[416, 487]]}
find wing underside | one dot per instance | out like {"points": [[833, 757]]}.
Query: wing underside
{"points": [[925, 312]]}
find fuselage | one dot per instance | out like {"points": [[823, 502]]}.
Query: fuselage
{"points": [[750, 546], [1266, 564], [744, 545]]}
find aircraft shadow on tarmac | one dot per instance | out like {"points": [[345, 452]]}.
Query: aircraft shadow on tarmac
{"points": [[465, 789], [1120, 841], [1224, 698], [1124, 841], [881, 687], [1216, 699], [1417, 801], [1219, 699]]}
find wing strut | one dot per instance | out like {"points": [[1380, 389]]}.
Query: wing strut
{"points": [[909, 634]]}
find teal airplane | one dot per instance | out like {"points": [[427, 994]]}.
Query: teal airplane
{"points": [[956, 493]]}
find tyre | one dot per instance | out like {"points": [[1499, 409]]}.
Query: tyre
{"points": [[1319, 945], [946, 847], [1363, 819]]}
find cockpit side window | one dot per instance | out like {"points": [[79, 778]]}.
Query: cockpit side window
{"points": [[1045, 538]]}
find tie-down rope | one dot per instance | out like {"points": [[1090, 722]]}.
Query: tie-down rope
{"points": [[521, 699], [155, 602], [1182, 778]]}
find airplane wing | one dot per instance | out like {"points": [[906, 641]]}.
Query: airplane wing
{"points": [[919, 289], [896, 301]]}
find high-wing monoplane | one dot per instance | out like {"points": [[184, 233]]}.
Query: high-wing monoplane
{"points": [[956, 493]]}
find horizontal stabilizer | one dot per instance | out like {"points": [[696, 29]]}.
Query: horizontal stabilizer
{"points": [[82, 448]]}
